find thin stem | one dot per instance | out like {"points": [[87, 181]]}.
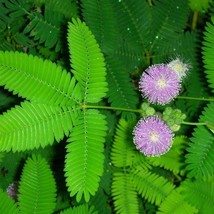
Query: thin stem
{"points": [[136, 111], [196, 98], [150, 2], [112, 108], [148, 58], [178, 177], [194, 124], [194, 20]]}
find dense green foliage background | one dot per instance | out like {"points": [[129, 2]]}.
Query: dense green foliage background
{"points": [[69, 73]]}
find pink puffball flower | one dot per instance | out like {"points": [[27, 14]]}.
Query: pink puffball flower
{"points": [[159, 84], [152, 136], [12, 190]]}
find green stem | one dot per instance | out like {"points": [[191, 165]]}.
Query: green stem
{"points": [[194, 124], [136, 111], [194, 20], [112, 108], [150, 2], [148, 58], [196, 98], [178, 177]]}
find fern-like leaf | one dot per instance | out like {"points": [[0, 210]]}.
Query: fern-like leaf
{"points": [[17, 8], [82, 209], [84, 159], [208, 52], [134, 21], [165, 50], [114, 22], [32, 125], [172, 160], [37, 79], [7, 205], [34, 19], [121, 90], [198, 5], [101, 202], [87, 62], [63, 9], [168, 19], [124, 194], [123, 152], [45, 29], [99, 17], [131, 57], [175, 203], [5, 45], [200, 157], [199, 194], [151, 186], [109, 33], [37, 188], [4, 19]]}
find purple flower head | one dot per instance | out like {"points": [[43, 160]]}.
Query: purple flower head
{"points": [[12, 190], [152, 136], [159, 84]]}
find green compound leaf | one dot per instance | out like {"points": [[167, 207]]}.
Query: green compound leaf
{"points": [[173, 159], [168, 19], [101, 200], [104, 28], [121, 90], [37, 80], [200, 157], [82, 209], [17, 8], [32, 125], [198, 5], [46, 28], [87, 62], [123, 152], [208, 50], [85, 158], [175, 203], [110, 30], [134, 21], [124, 194], [151, 186], [7, 204], [200, 194], [37, 188]]}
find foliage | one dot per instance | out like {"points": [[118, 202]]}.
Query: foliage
{"points": [[69, 100], [200, 157], [199, 194], [201, 6], [7, 204], [38, 185], [79, 209], [175, 203], [207, 51]]}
